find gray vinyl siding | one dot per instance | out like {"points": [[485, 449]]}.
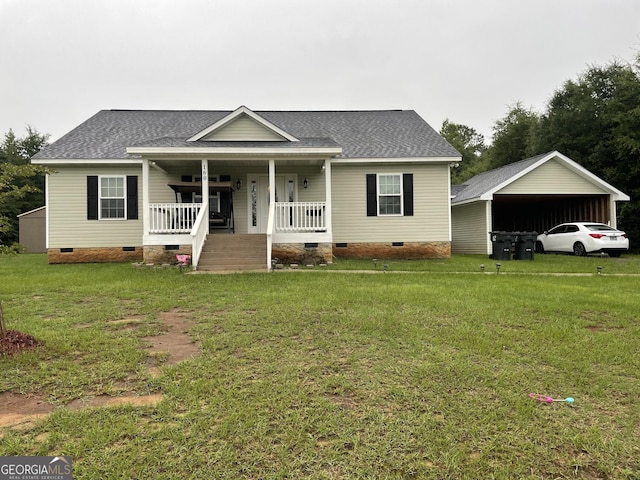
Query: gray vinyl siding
{"points": [[159, 190], [243, 128], [469, 228], [551, 178], [429, 223], [67, 210]]}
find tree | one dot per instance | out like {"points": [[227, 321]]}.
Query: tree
{"points": [[471, 146], [595, 120], [21, 183], [514, 137]]}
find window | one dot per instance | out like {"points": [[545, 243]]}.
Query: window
{"points": [[254, 203], [112, 197], [389, 194]]}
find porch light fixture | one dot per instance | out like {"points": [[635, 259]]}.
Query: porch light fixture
{"points": [[305, 182], [238, 184]]}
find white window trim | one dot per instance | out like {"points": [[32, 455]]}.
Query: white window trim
{"points": [[378, 195], [100, 197]]}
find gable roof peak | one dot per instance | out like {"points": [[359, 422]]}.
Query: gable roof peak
{"points": [[238, 113]]}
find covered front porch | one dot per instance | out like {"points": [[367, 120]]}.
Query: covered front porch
{"points": [[287, 202]]}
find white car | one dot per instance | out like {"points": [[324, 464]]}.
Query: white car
{"points": [[582, 238]]}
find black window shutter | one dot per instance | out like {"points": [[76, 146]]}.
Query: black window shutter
{"points": [[372, 201], [132, 197], [407, 191], [92, 197]]}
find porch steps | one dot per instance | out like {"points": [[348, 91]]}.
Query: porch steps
{"points": [[234, 253]]}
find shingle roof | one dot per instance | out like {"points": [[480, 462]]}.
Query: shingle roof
{"points": [[484, 182], [361, 134]]}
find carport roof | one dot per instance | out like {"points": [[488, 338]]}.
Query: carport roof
{"points": [[485, 185]]}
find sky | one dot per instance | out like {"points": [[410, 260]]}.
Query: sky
{"points": [[61, 61]]}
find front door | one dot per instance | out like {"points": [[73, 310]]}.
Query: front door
{"points": [[285, 192]]}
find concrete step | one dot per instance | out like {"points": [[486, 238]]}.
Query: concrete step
{"points": [[234, 252]]}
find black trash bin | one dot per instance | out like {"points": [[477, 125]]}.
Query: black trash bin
{"points": [[502, 243], [525, 243]]}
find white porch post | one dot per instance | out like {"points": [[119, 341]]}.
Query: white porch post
{"points": [[146, 221], [272, 204], [205, 183], [327, 196], [272, 182], [613, 217], [489, 225]]}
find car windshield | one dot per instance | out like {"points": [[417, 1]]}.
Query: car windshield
{"points": [[599, 228]]}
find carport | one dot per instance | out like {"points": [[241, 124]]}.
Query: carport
{"points": [[537, 213], [531, 195]]}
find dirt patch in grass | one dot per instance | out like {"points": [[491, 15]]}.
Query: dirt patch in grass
{"points": [[172, 345], [602, 328], [109, 401], [20, 409]]}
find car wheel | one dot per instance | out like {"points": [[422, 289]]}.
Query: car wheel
{"points": [[579, 250], [539, 247], [615, 254]]}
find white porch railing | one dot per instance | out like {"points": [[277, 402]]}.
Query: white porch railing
{"points": [[199, 235], [193, 219], [173, 217], [300, 217]]}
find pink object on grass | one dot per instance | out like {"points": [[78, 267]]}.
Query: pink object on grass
{"points": [[183, 260]]}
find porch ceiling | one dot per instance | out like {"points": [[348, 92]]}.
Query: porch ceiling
{"points": [[169, 163]]}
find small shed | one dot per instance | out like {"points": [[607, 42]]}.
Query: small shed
{"points": [[32, 226], [534, 194]]}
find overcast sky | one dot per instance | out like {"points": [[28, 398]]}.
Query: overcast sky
{"points": [[466, 60]]}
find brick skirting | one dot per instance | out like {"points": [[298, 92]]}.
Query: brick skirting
{"points": [[396, 251], [160, 254], [94, 255], [285, 252], [302, 253]]}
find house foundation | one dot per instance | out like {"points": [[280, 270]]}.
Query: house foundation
{"points": [[165, 253], [302, 253], [94, 255], [393, 250]]}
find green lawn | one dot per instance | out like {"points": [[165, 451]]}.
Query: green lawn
{"points": [[330, 375]]}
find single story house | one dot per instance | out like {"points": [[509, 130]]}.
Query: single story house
{"points": [[534, 194], [226, 187]]}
